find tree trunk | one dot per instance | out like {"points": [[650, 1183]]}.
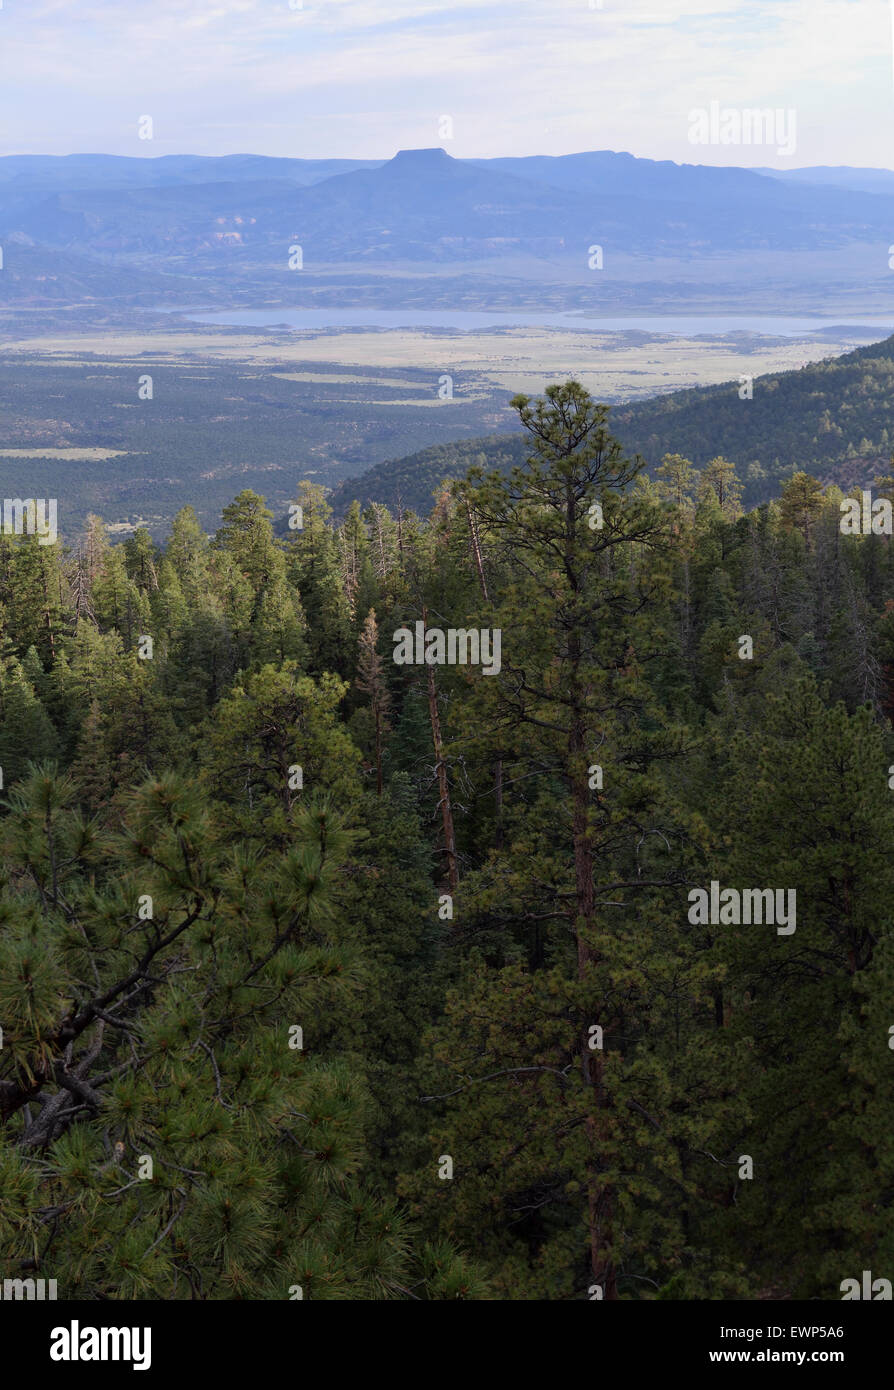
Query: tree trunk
{"points": [[599, 1199], [599, 1196], [443, 787], [46, 600], [498, 765], [476, 551], [498, 799], [378, 749]]}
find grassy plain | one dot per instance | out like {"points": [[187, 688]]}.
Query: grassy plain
{"points": [[233, 408]]}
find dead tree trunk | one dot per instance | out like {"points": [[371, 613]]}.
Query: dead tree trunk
{"points": [[443, 785]]}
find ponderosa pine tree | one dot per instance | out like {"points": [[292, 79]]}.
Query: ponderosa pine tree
{"points": [[808, 808], [314, 569], [545, 1123], [371, 681], [171, 1128]]}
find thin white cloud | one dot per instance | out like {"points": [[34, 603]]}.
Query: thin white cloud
{"points": [[518, 76]]}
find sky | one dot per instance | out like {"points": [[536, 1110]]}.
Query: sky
{"points": [[512, 77]]}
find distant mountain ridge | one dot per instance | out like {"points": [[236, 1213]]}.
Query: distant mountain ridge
{"points": [[422, 206], [81, 171], [837, 176], [831, 419]]}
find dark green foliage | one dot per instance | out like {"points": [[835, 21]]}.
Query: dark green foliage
{"points": [[247, 826], [829, 419]]}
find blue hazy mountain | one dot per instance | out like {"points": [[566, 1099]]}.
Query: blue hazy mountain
{"points": [[423, 206], [225, 225], [607, 172], [82, 171], [837, 176]]}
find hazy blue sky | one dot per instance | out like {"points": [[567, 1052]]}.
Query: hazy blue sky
{"points": [[347, 77]]}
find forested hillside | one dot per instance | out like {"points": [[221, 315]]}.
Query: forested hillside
{"points": [[379, 979], [830, 419], [413, 481]]}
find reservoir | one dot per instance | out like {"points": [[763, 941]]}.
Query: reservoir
{"points": [[466, 321]]}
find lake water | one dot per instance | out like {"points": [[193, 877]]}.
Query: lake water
{"points": [[461, 320]]}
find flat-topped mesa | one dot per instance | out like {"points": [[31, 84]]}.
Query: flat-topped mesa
{"points": [[421, 159]]}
